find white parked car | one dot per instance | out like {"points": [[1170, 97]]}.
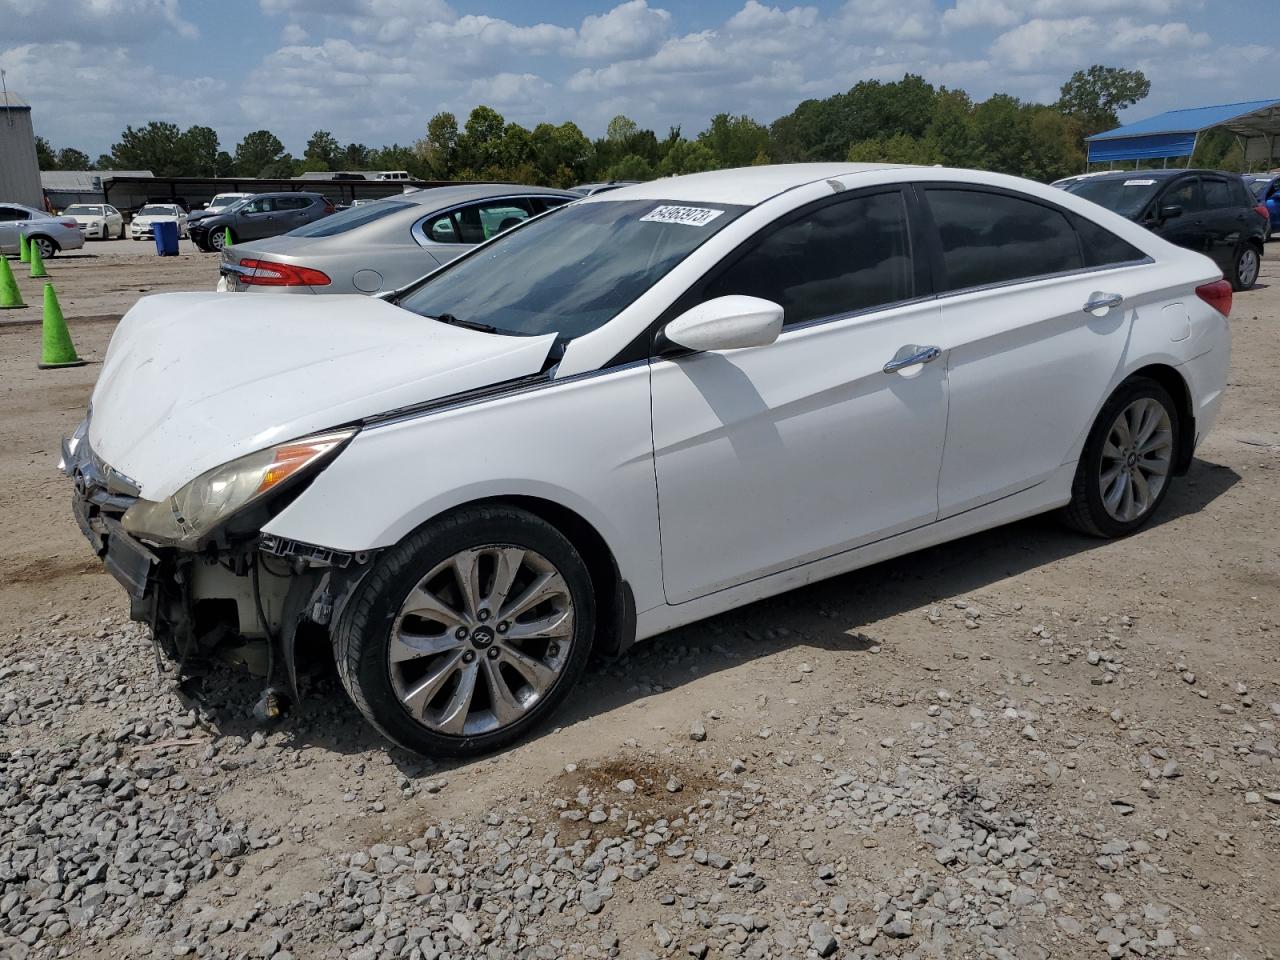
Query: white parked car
{"points": [[100, 220], [633, 412], [142, 224]]}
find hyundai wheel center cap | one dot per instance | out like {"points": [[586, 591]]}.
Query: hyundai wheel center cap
{"points": [[481, 637]]}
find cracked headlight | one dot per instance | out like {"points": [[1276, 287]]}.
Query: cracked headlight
{"points": [[214, 496]]}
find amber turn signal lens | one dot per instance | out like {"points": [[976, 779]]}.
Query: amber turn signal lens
{"points": [[292, 457]]}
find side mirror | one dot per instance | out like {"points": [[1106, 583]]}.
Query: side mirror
{"points": [[1169, 211], [727, 323]]}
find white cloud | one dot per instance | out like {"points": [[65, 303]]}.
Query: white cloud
{"points": [[982, 13], [293, 34], [87, 20], [898, 19], [628, 30], [84, 98], [504, 91], [1040, 43]]}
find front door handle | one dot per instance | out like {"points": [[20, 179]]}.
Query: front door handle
{"points": [[1103, 301], [910, 356]]}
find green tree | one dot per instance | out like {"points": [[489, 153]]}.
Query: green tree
{"points": [[951, 133], [281, 168], [259, 151], [69, 158], [322, 151], [631, 167], [356, 156], [480, 145], [196, 152], [734, 141], [440, 147], [562, 155], [1094, 97], [621, 129], [104, 162], [46, 156], [154, 146], [898, 148], [687, 156]]}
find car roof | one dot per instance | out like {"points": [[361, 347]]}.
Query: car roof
{"points": [[1154, 174], [748, 186], [464, 192]]}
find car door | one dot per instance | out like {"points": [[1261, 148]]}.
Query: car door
{"points": [[770, 457], [10, 219], [256, 219], [1190, 228], [1226, 219], [1026, 366], [295, 212]]}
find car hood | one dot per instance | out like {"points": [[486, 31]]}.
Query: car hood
{"points": [[194, 380]]}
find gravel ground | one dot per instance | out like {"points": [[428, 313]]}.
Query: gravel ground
{"points": [[1024, 744]]}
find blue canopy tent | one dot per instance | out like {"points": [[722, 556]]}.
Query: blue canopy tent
{"points": [[1255, 123]]}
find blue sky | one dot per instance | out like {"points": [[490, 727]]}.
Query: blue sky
{"points": [[375, 70]]}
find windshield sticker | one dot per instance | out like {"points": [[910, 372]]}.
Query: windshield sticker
{"points": [[1139, 183], [689, 216]]}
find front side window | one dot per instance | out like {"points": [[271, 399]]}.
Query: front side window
{"points": [[571, 271], [495, 218], [261, 205], [841, 258], [1185, 194], [990, 238]]}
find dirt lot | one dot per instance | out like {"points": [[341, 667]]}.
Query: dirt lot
{"points": [[1023, 744]]}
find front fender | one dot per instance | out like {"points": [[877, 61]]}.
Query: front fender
{"points": [[584, 443]]}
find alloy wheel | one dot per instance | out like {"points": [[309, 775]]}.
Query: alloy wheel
{"points": [[1136, 458], [1247, 267], [481, 639]]}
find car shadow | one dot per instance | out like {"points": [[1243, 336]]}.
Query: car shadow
{"points": [[831, 615]]}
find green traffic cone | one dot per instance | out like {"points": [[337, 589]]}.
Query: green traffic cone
{"points": [[37, 262], [10, 296], [226, 238], [56, 349], [24, 249]]}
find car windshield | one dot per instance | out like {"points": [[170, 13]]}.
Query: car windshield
{"points": [[153, 211], [351, 218], [1259, 187], [223, 200], [82, 210], [572, 270], [1125, 195]]}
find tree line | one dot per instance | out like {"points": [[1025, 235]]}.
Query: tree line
{"points": [[905, 121]]}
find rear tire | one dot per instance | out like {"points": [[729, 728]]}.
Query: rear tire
{"points": [[1127, 462], [1245, 267], [487, 669], [47, 247]]}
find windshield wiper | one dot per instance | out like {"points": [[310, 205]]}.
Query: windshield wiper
{"points": [[449, 318]]}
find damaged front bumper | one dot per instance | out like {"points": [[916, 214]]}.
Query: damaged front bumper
{"points": [[201, 603]]}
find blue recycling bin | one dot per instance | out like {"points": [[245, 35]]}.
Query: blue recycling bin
{"points": [[166, 233]]}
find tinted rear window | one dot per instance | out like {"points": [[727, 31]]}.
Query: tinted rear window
{"points": [[351, 218], [992, 238]]}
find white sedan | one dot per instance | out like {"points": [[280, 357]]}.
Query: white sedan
{"points": [[633, 412], [100, 220], [143, 223]]}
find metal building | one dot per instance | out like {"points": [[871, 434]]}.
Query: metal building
{"points": [[19, 168], [1256, 125]]}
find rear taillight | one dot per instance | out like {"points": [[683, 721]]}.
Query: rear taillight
{"points": [[1263, 212], [264, 273], [329, 207], [73, 224], [1216, 295]]}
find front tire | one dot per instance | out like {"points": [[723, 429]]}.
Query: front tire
{"points": [[467, 633], [1124, 471]]}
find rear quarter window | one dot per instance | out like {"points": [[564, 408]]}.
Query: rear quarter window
{"points": [[1102, 248]]}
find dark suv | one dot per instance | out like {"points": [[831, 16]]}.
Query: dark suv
{"points": [[259, 216], [1203, 210]]}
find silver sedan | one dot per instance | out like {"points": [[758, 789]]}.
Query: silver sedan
{"points": [[384, 245], [50, 234]]}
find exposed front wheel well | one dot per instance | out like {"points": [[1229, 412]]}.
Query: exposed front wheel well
{"points": [[1172, 381], [615, 604]]}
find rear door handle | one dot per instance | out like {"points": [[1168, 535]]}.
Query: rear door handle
{"points": [[1103, 301], [910, 356]]}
